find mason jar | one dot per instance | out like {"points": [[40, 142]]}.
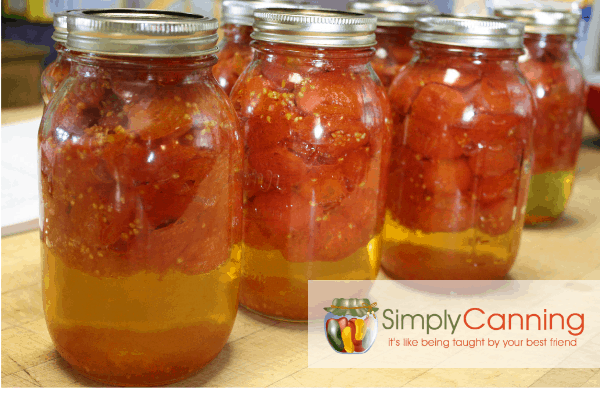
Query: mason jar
{"points": [[57, 70], [461, 152], [555, 74], [395, 27], [316, 123], [140, 191], [351, 325], [235, 52]]}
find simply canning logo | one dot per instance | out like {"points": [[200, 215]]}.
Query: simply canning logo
{"points": [[476, 319], [351, 325]]}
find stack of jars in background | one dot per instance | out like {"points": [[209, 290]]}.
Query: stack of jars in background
{"points": [[235, 53], [395, 27]]}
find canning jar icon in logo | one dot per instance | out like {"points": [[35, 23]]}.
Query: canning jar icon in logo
{"points": [[351, 325]]}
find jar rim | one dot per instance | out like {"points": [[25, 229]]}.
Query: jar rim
{"points": [[315, 27], [469, 31], [391, 12], [540, 20], [141, 33], [60, 27], [241, 12]]}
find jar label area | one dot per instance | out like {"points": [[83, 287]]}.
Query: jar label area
{"points": [[454, 324]]}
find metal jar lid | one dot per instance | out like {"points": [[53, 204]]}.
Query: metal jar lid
{"points": [[241, 12], [60, 27], [391, 12], [543, 21], [141, 33], [469, 31], [314, 27]]}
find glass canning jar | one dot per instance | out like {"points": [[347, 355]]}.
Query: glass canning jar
{"points": [[140, 199], [395, 27], [461, 164], [235, 52], [555, 74], [317, 127], [58, 69]]}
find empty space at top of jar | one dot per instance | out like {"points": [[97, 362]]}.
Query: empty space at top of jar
{"points": [[235, 52], [555, 74], [395, 27], [316, 127], [463, 115]]}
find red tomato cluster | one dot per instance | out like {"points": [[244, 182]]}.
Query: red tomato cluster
{"points": [[137, 172], [234, 56], [316, 146], [393, 51], [555, 77], [461, 139]]}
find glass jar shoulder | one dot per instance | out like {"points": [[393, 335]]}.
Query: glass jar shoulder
{"points": [[312, 91], [467, 90], [560, 71], [54, 74]]}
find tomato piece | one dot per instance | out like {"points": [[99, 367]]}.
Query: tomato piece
{"points": [[280, 213], [484, 129], [435, 108], [160, 115], [407, 186], [72, 117], [323, 188], [495, 187], [453, 72], [430, 140], [495, 159], [111, 114], [338, 238], [404, 90], [445, 214], [131, 89], [248, 94], [330, 93], [447, 176], [277, 168], [233, 59], [498, 217], [354, 168], [286, 74]]}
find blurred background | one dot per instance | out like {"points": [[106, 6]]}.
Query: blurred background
{"points": [[27, 45]]}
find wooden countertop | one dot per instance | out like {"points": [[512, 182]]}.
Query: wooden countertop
{"points": [[265, 353]]}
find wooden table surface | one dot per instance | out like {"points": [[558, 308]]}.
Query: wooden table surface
{"points": [[266, 353]]}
